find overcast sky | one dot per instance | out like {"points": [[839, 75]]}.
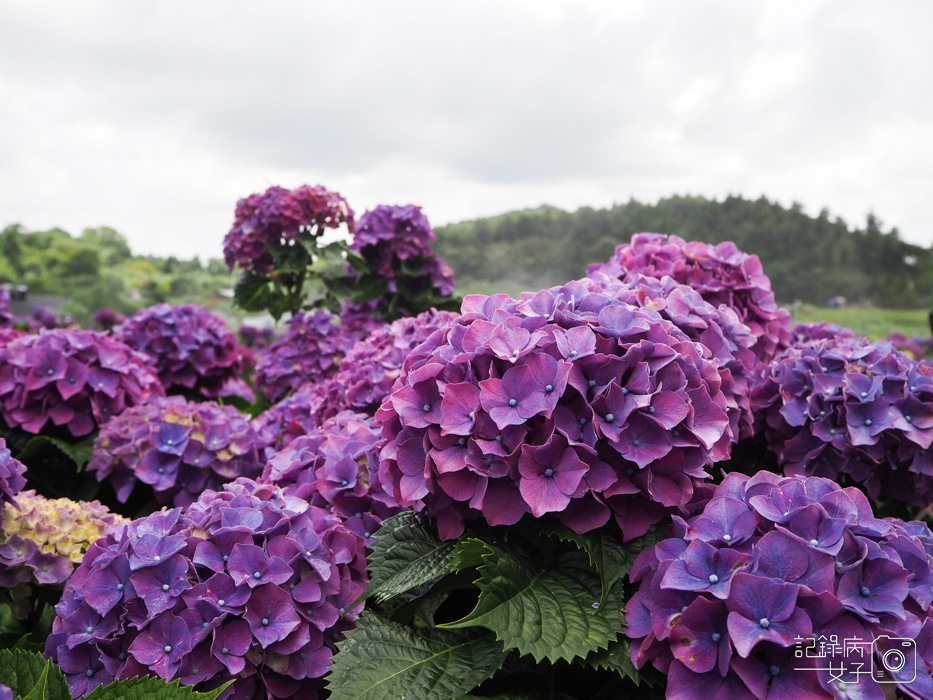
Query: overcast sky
{"points": [[155, 117]]}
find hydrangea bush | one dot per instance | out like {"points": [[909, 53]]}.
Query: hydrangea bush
{"points": [[72, 378], [770, 572], [721, 274], [395, 243], [191, 348], [567, 401], [839, 405], [247, 584], [180, 448]]}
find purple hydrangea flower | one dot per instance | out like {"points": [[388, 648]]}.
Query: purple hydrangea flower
{"points": [[394, 239], [12, 470], [308, 352], [274, 218], [106, 318], [74, 378], [721, 274], [180, 448], [841, 405], [190, 347], [179, 618], [731, 602], [336, 467], [567, 402]]}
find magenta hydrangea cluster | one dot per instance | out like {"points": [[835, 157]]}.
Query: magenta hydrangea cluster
{"points": [[106, 318], [567, 402], [389, 236], [178, 447], [7, 319], [248, 584], [721, 274], [308, 352], [727, 341], [843, 406], [7, 335], [274, 218], [336, 467], [772, 573], [76, 379], [12, 470], [190, 347]]}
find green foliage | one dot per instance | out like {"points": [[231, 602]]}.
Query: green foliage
{"points": [[30, 676], [807, 258], [536, 594], [406, 554], [79, 452], [383, 659]]}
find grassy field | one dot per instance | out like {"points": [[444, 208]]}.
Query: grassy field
{"points": [[875, 323]]}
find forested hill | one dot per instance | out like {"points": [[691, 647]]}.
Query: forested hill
{"points": [[808, 258]]}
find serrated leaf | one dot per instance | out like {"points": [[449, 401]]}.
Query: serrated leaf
{"points": [[149, 688], [611, 559], [407, 552], [470, 552], [551, 613], [357, 263], [79, 452], [382, 659], [28, 675]]}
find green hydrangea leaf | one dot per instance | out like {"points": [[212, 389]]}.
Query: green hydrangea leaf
{"points": [[553, 613], [149, 688], [30, 676], [382, 659], [407, 552], [79, 452]]}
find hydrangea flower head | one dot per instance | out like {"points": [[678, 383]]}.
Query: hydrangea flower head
{"points": [[180, 448], [44, 539], [12, 470], [841, 405], [727, 340], [721, 274], [567, 401], [768, 568], [106, 318], [7, 319], [308, 352], [336, 466], [190, 347], [389, 236], [73, 378], [248, 584], [274, 218]]}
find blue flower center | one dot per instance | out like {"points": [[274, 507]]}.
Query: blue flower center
{"points": [[868, 421], [257, 576], [120, 586], [168, 648], [549, 472], [426, 408], [774, 670], [764, 622], [548, 388], [591, 383], [713, 578], [89, 673], [265, 622], [727, 538], [716, 636], [513, 403], [865, 591], [225, 650], [165, 586], [610, 417], [814, 542], [221, 602]]}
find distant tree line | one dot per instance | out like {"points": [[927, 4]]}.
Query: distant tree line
{"points": [[812, 259], [97, 269]]}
